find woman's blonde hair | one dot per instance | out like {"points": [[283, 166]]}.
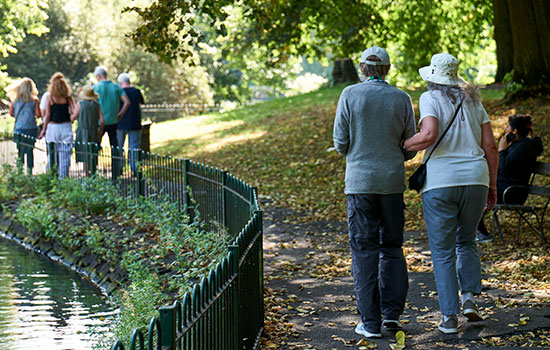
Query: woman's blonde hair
{"points": [[454, 92], [58, 86], [23, 89]]}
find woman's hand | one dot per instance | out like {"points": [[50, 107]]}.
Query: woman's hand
{"points": [[491, 199], [503, 143], [42, 133]]}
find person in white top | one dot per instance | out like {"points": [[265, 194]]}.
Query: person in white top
{"points": [[460, 183]]}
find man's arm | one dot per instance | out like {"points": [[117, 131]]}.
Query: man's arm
{"points": [[126, 104], [340, 134], [410, 130]]}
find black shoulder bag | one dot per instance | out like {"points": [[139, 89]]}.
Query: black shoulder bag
{"points": [[417, 179]]}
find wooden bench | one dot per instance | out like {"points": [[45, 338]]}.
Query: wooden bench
{"points": [[527, 211]]}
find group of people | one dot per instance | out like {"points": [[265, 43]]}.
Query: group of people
{"points": [[106, 107], [375, 130]]}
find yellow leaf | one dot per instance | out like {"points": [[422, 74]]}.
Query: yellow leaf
{"points": [[397, 347], [365, 344], [400, 337]]}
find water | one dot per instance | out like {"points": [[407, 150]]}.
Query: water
{"points": [[44, 305]]}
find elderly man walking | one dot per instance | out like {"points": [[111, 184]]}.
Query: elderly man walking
{"points": [[130, 123], [110, 96], [372, 118]]}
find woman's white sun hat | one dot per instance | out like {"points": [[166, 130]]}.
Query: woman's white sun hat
{"points": [[443, 69]]}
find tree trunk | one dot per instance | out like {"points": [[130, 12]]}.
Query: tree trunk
{"points": [[503, 39], [530, 30], [344, 72]]}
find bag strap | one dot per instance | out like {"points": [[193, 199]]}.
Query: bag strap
{"points": [[446, 129]]}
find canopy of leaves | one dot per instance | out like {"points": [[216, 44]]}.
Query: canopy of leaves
{"points": [[19, 18], [412, 30], [59, 49]]}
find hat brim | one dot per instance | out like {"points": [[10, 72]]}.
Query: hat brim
{"points": [[83, 96], [426, 74]]}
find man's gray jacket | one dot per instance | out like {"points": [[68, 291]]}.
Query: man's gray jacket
{"points": [[371, 119]]}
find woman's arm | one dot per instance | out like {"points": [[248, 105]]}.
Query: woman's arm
{"points": [[37, 112], [76, 112], [12, 112], [489, 146], [101, 122], [429, 128], [46, 117], [70, 100]]}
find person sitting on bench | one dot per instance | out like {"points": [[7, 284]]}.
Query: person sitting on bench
{"points": [[518, 152]]}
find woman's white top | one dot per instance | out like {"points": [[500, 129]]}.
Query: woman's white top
{"points": [[459, 159]]}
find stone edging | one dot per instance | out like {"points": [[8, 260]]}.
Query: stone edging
{"points": [[107, 277]]}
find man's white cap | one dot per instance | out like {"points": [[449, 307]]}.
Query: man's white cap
{"points": [[378, 52], [124, 78]]}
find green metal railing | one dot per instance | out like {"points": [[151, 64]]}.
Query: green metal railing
{"points": [[223, 311]]}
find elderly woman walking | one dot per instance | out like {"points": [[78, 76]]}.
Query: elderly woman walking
{"points": [[460, 183]]}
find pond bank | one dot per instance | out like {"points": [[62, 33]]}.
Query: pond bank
{"points": [[106, 276]]}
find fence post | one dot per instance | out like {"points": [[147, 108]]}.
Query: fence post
{"points": [[260, 270], [51, 157], [234, 254], [139, 172], [168, 325], [185, 184], [224, 198]]}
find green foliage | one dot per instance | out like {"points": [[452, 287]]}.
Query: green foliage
{"points": [[37, 216], [281, 30], [91, 196], [39, 57], [18, 19], [138, 303], [160, 82], [511, 87]]}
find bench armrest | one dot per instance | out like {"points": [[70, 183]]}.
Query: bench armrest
{"points": [[513, 187]]}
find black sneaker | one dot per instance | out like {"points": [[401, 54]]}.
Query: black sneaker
{"points": [[483, 237], [450, 326], [471, 312], [391, 325]]}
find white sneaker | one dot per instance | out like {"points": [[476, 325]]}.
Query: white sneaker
{"points": [[360, 329]]}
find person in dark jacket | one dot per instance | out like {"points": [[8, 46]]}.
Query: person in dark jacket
{"points": [[130, 123], [518, 153]]}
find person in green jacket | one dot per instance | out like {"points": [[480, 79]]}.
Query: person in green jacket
{"points": [[89, 116]]}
